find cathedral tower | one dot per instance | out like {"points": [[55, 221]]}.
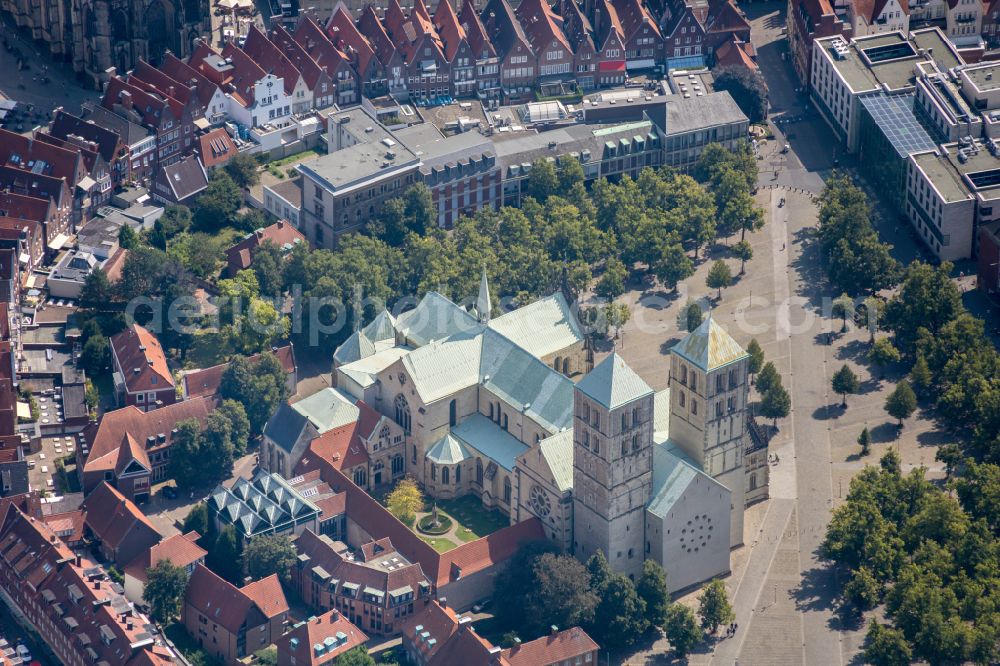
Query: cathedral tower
{"points": [[708, 409], [612, 464]]}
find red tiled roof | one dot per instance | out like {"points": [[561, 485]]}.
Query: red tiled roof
{"points": [[342, 32], [565, 645], [22, 207], [450, 30], [246, 72], [414, 34], [65, 124], [633, 15], [206, 382], [149, 108], [140, 356], [113, 518], [93, 614], [220, 601], [611, 23], [727, 17], [475, 32], [442, 568], [18, 151], [181, 550], [371, 27], [732, 52], [105, 439], [503, 27], [311, 39], [309, 68], [576, 26], [179, 70], [315, 631], [86, 149], [268, 596], [279, 233], [35, 185], [540, 24], [68, 525], [270, 58], [216, 147], [157, 82], [130, 451], [454, 641], [871, 9]]}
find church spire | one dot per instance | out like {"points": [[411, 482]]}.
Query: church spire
{"points": [[483, 300]]}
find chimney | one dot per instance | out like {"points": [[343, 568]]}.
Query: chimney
{"points": [[78, 561], [125, 97], [281, 224], [443, 601], [553, 630], [334, 616], [171, 91]]}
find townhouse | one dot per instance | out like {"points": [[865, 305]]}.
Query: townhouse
{"points": [[108, 142], [457, 50], [326, 88], [809, 20], [141, 375], [427, 70], [116, 525], [269, 98], [232, 623], [271, 59], [518, 63], [96, 183], [130, 448], [69, 600], [51, 189], [140, 142], [642, 37], [211, 100], [870, 17], [318, 641], [181, 550], [391, 58], [151, 111], [359, 51], [487, 63], [684, 34], [546, 38], [281, 234]]}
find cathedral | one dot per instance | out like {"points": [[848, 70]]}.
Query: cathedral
{"points": [[101, 37], [509, 409]]}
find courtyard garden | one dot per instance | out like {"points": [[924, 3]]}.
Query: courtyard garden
{"points": [[445, 524]]}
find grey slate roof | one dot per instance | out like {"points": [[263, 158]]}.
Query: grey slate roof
{"points": [[286, 426], [490, 439], [382, 327], [673, 474], [543, 327], [447, 451], [354, 348], [699, 113], [613, 383], [434, 318], [709, 346]]}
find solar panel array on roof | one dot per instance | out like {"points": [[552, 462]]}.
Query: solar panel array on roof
{"points": [[219, 147], [895, 116]]}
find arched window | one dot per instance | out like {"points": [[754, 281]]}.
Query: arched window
{"points": [[504, 422], [384, 433], [397, 465], [479, 471], [434, 472], [684, 374], [753, 482], [506, 490], [566, 368], [491, 412], [557, 364], [586, 412], [452, 413], [403, 413], [681, 398], [635, 442], [361, 477], [624, 447], [445, 476]]}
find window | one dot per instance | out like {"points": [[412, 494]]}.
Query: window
{"points": [[452, 413], [504, 422], [635, 442], [684, 374], [361, 477], [694, 406], [445, 475], [458, 474], [414, 454], [694, 382], [397, 464], [506, 490], [479, 471], [403, 413], [680, 399], [434, 472]]}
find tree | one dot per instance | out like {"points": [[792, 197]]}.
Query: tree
{"points": [[951, 455], [186, 464], [224, 557], [175, 220], [844, 381], [863, 590], [356, 657], [747, 88], [421, 213], [598, 570], [239, 424], [617, 315], [269, 554], [865, 441], [97, 290], [693, 315], [744, 252], [767, 378], [128, 238], [843, 307], [620, 616], [267, 656], [883, 353], [259, 387], [719, 277], [164, 591], [542, 180], [198, 252], [242, 168], [920, 375], [928, 299], [885, 646], [269, 265], [405, 500], [652, 589], [570, 174], [756, 357], [218, 203], [902, 402], [198, 521], [681, 629], [541, 588], [714, 608], [95, 357], [775, 403], [612, 283], [672, 264]]}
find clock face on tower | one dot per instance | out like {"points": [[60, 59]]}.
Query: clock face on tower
{"points": [[538, 500]]}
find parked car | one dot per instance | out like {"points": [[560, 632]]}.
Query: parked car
{"points": [[170, 492], [23, 653]]}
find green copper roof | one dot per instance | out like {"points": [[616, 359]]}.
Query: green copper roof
{"points": [[382, 327], [673, 474], [447, 451], [709, 346], [354, 348], [613, 383]]}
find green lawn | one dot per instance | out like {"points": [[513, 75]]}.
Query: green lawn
{"points": [[292, 159], [440, 545], [475, 520]]}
